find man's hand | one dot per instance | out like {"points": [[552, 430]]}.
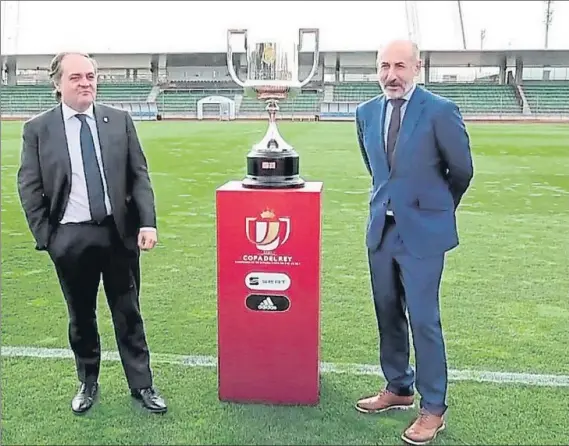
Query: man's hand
{"points": [[147, 239]]}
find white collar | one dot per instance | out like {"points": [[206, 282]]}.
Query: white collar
{"points": [[69, 112]]}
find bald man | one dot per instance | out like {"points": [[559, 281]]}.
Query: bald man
{"points": [[416, 148]]}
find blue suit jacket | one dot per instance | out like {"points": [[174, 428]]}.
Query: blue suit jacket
{"points": [[432, 169]]}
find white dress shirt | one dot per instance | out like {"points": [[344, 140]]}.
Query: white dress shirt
{"points": [[387, 120], [77, 209], [389, 110]]}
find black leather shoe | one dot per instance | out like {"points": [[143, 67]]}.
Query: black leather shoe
{"points": [[85, 397], [150, 399]]}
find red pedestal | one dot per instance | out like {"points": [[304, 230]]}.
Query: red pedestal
{"points": [[268, 284]]}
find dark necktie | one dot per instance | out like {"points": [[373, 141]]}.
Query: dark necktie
{"points": [[93, 176], [393, 130]]}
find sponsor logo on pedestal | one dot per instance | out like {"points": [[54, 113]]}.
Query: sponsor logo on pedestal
{"points": [[266, 302], [267, 281]]}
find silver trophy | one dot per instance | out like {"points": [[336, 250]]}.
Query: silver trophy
{"points": [[272, 76]]}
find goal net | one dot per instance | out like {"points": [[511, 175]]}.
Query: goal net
{"points": [[216, 107]]}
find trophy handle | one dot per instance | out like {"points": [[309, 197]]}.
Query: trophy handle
{"points": [[230, 33], [301, 33]]}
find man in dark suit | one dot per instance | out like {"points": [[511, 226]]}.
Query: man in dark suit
{"points": [[87, 197], [417, 151]]}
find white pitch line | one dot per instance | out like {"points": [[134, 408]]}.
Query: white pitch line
{"points": [[480, 376]]}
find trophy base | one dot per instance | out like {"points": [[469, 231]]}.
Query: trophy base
{"points": [[272, 183], [273, 170]]}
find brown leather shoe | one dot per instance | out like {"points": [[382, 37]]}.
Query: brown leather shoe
{"points": [[383, 401], [424, 429]]}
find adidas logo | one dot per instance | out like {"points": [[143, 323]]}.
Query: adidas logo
{"points": [[267, 304]]}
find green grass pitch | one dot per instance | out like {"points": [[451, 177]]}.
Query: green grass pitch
{"points": [[503, 298]]}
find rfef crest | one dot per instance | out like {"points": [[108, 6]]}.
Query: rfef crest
{"points": [[267, 232]]}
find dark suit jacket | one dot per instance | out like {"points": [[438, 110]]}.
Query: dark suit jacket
{"points": [[432, 169], [44, 176]]}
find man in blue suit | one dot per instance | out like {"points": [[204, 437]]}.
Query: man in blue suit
{"points": [[417, 151]]}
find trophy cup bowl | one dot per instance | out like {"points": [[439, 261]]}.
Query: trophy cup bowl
{"points": [[272, 76]]}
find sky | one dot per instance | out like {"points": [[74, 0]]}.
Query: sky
{"points": [[47, 27]]}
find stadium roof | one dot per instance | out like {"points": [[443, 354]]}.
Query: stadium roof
{"points": [[438, 58], [553, 58]]}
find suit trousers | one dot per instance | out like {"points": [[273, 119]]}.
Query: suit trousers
{"points": [[403, 284], [83, 253]]}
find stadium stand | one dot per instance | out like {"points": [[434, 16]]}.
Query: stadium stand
{"points": [[25, 100], [154, 92], [182, 101], [488, 99], [124, 91], [472, 98], [547, 97], [355, 91], [307, 103]]}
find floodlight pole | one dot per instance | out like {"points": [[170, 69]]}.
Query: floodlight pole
{"points": [[412, 18], [461, 24], [548, 19]]}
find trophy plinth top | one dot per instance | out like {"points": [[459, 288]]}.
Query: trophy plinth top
{"points": [[272, 92], [266, 90]]}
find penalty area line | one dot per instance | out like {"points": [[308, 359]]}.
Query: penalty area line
{"points": [[481, 376]]}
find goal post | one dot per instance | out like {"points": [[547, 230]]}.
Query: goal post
{"points": [[216, 107]]}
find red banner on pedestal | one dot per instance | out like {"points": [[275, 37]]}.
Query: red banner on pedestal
{"points": [[268, 283]]}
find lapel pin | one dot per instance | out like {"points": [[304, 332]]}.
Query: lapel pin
{"points": [[105, 119]]}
